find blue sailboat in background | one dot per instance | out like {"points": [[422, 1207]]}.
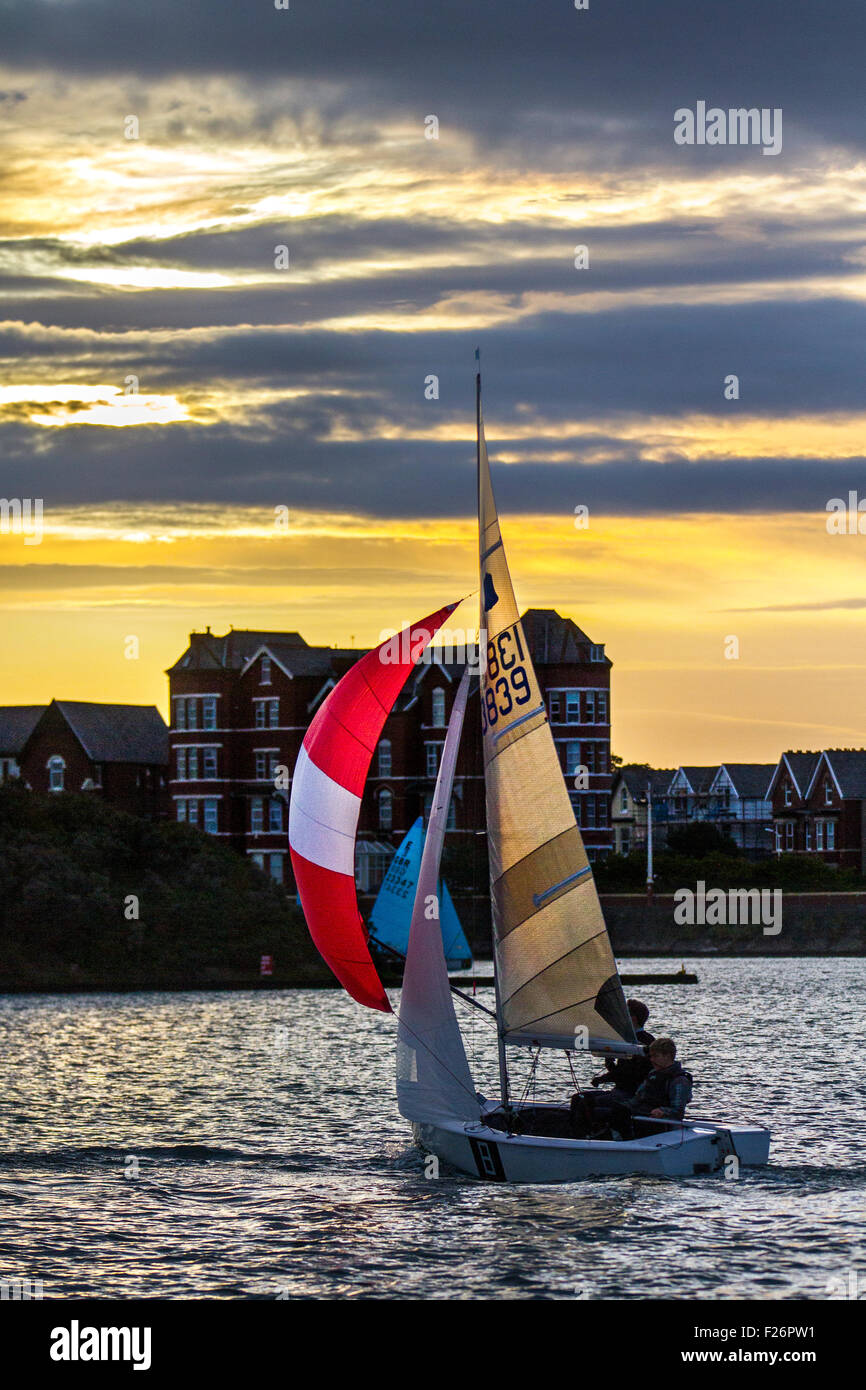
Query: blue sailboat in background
{"points": [[391, 917]]}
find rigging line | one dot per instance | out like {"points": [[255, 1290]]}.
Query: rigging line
{"points": [[455, 989], [427, 1048]]}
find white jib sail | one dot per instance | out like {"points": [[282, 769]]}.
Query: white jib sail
{"points": [[557, 978], [433, 1077]]}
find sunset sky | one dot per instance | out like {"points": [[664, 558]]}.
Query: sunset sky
{"points": [[303, 388]]}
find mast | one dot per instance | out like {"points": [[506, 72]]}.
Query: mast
{"points": [[649, 839], [500, 1041]]}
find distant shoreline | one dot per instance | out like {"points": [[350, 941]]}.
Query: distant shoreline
{"points": [[188, 986]]}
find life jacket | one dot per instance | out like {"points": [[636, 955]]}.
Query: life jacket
{"points": [[655, 1091]]}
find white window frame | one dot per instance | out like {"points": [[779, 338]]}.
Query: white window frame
{"points": [[384, 758]]}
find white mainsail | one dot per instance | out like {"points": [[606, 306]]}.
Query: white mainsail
{"points": [[433, 1078], [557, 980]]}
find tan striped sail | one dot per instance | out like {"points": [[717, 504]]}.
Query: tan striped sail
{"points": [[557, 979]]}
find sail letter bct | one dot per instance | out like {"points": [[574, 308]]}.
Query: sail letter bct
{"points": [[554, 961], [327, 788]]}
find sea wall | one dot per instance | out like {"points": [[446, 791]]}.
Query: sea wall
{"points": [[810, 924]]}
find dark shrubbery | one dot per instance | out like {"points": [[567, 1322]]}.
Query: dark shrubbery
{"points": [[794, 873], [68, 865]]}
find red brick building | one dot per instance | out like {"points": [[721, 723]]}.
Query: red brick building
{"points": [[819, 806], [119, 752], [241, 703]]}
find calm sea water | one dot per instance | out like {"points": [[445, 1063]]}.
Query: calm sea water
{"points": [[243, 1145]]}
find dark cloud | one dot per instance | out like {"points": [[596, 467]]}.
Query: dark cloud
{"points": [[532, 69]]}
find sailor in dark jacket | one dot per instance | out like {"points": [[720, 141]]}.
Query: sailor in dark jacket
{"points": [[628, 1073], [668, 1088]]}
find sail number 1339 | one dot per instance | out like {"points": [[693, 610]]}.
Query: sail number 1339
{"points": [[506, 684]]}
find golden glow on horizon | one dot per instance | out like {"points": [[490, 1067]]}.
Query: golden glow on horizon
{"points": [[664, 594]]}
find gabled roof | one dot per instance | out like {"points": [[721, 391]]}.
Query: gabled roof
{"points": [[17, 723], [554, 640], [209, 651], [848, 769], [799, 766], [117, 733], [750, 779], [636, 779], [698, 778]]}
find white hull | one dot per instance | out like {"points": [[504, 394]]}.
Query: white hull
{"points": [[697, 1146]]}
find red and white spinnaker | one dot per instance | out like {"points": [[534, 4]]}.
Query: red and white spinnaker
{"points": [[327, 787]]}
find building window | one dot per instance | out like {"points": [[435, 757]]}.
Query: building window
{"points": [[192, 812], [831, 834], [385, 758], [451, 823], [208, 709], [432, 750], [601, 811], [180, 714], [181, 810], [778, 830], [275, 816], [808, 834], [192, 764], [596, 653], [277, 868], [624, 845], [572, 707], [266, 764], [601, 706], [273, 713], [589, 812], [56, 770], [828, 793], [97, 775], [181, 764], [192, 714], [260, 714], [789, 837], [572, 757], [265, 678], [819, 835], [210, 762], [555, 699], [786, 793], [211, 816], [257, 815], [438, 708], [386, 809], [623, 801], [590, 706], [258, 860]]}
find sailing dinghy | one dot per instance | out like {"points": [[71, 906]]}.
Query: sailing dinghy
{"points": [[391, 917], [556, 981]]}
